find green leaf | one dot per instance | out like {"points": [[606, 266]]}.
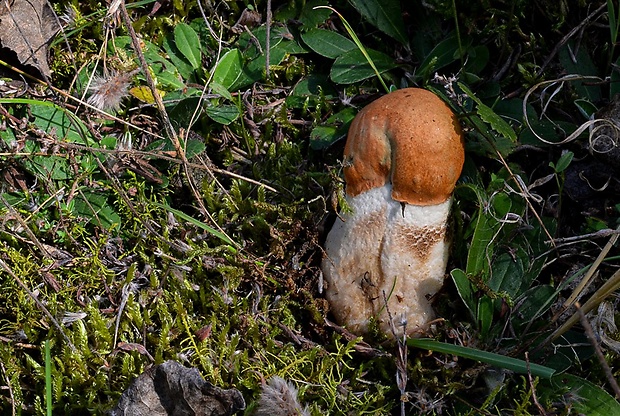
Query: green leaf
{"points": [[481, 249], [327, 42], [335, 128], [352, 66], [223, 114], [187, 41], [591, 399], [536, 301], [194, 147], [179, 62], [310, 17], [577, 60], [196, 222], [96, 209], [586, 108], [465, 291], [443, 54], [221, 90], [563, 162], [507, 274], [385, 15], [497, 360], [496, 122], [228, 69], [484, 315]]}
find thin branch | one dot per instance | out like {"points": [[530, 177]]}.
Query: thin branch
{"points": [[599, 354]]}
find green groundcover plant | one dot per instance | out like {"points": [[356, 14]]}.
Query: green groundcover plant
{"points": [[165, 195]]}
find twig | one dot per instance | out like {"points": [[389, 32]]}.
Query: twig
{"points": [[541, 409], [601, 294], [598, 234], [172, 134], [589, 275], [21, 284], [20, 220], [401, 358], [8, 384], [569, 35], [599, 354]]}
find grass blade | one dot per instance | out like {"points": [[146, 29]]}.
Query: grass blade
{"points": [[197, 223], [48, 378], [496, 360]]}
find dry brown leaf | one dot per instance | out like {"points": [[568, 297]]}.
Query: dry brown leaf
{"points": [[171, 389], [26, 28]]}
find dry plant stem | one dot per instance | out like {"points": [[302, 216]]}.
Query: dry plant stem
{"points": [[588, 277], [541, 409], [600, 295], [18, 217], [118, 188], [527, 200], [599, 354], [164, 115], [566, 38], [8, 385], [36, 300], [149, 80], [154, 154], [587, 237], [267, 39], [401, 359]]}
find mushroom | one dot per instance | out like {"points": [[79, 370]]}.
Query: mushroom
{"points": [[387, 255]]}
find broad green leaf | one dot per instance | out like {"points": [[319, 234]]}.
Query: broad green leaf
{"points": [[352, 66], [577, 60], [311, 91], [481, 249], [590, 399], [228, 69], [465, 290], [441, 55], [536, 301], [385, 15], [187, 41], [169, 81], [221, 90], [327, 42], [322, 137], [179, 62], [223, 114], [335, 128], [505, 274], [496, 122], [586, 108], [310, 17], [563, 162], [484, 315], [497, 360], [193, 148], [96, 209]]}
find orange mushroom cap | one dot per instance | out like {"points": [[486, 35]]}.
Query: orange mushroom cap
{"points": [[411, 138]]}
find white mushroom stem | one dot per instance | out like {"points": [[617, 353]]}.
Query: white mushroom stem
{"points": [[404, 262]]}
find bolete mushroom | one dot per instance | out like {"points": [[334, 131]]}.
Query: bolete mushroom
{"points": [[403, 156]]}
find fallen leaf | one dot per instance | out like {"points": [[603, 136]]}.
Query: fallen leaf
{"points": [[26, 28], [171, 389]]}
